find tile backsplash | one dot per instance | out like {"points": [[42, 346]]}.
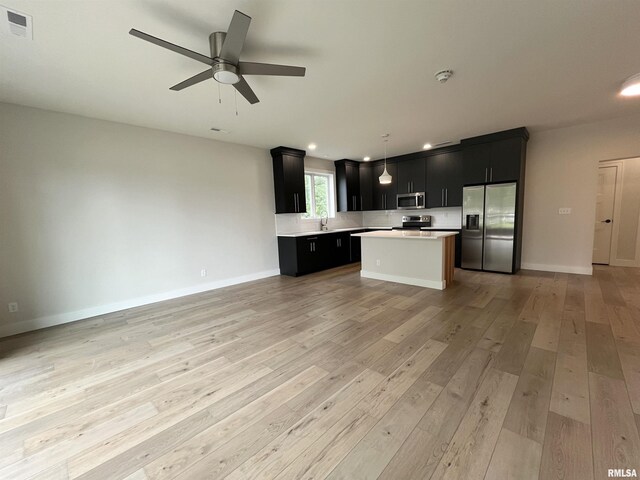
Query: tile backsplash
{"points": [[293, 223], [450, 217]]}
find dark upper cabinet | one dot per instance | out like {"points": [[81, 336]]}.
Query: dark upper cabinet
{"points": [[498, 157], [384, 195], [288, 179], [444, 179], [477, 159], [366, 186], [506, 160], [348, 185], [411, 176]]}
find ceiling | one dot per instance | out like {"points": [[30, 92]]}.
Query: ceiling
{"points": [[370, 67]]}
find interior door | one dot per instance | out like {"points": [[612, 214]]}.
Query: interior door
{"points": [[604, 214]]}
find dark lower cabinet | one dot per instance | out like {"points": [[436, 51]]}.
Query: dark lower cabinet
{"points": [[312, 253]]}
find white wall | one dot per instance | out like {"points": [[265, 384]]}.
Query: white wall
{"points": [[562, 172], [98, 216]]}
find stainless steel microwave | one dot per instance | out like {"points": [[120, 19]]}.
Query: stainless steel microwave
{"points": [[411, 201]]}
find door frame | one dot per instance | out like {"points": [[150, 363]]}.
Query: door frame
{"points": [[617, 206]]}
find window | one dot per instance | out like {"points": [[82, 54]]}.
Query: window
{"points": [[318, 189]]}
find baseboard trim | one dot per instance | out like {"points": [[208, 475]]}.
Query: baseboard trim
{"points": [[418, 282], [67, 317], [624, 263], [558, 268]]}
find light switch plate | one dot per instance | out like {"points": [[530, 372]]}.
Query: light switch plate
{"points": [[564, 211]]}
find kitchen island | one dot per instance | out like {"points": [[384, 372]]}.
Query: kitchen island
{"points": [[421, 258]]}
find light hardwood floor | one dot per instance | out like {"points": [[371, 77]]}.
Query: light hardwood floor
{"points": [[333, 376]]}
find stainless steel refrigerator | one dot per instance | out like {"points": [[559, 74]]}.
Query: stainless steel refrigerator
{"points": [[489, 227]]}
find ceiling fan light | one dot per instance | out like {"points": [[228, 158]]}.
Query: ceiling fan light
{"points": [[226, 73], [631, 86]]}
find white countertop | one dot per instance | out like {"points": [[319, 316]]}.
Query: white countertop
{"points": [[411, 234], [454, 227], [332, 230]]}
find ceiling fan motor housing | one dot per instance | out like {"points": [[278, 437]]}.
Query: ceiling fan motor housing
{"points": [[215, 43]]}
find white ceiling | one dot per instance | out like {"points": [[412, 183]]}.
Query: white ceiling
{"points": [[370, 67]]}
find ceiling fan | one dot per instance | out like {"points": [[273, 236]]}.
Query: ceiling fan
{"points": [[224, 64]]}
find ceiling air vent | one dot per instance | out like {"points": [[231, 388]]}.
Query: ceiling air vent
{"points": [[16, 23]]}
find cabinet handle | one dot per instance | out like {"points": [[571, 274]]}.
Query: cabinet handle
{"points": [[361, 207], [491, 175], [442, 196], [446, 197], [486, 174]]}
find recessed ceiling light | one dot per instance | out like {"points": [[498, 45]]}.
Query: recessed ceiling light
{"points": [[312, 146], [366, 159], [426, 146], [631, 86]]}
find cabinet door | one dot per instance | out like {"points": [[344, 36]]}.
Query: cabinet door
{"points": [[353, 187], [384, 196], [436, 179], [307, 254], [506, 160], [366, 187], [340, 249], [411, 176], [294, 180], [477, 160], [454, 179], [356, 250]]}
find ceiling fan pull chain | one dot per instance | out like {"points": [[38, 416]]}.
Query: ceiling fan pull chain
{"points": [[235, 96], [219, 99]]}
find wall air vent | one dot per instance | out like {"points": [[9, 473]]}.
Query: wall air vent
{"points": [[16, 23]]}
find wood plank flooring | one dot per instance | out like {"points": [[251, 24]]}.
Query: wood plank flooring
{"points": [[532, 376]]}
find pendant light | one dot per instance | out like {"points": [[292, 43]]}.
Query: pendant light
{"points": [[385, 178]]}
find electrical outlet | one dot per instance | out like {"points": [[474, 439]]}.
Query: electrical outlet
{"points": [[13, 307], [564, 211], [377, 263], [203, 272]]}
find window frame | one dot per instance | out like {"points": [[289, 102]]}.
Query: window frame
{"points": [[310, 214]]}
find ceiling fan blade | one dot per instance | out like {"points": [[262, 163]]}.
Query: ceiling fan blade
{"points": [[245, 90], [234, 41], [170, 46], [200, 77], [252, 68]]}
